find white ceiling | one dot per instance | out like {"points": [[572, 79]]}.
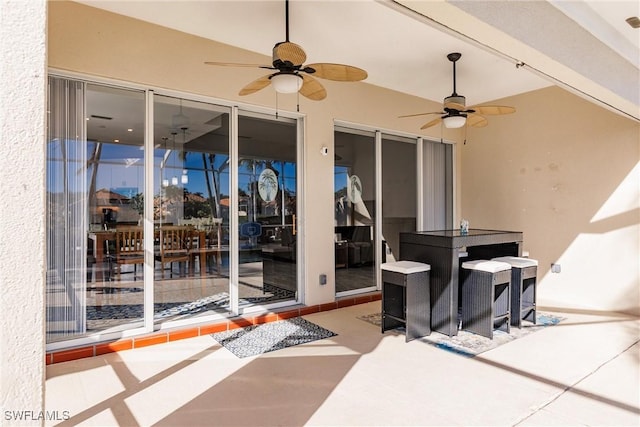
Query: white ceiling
{"points": [[405, 50]]}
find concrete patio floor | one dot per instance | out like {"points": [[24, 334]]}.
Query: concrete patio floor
{"points": [[583, 371]]}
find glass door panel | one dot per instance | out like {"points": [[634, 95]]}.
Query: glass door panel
{"points": [[267, 200], [399, 192], [95, 170], [355, 199], [191, 208], [115, 177], [437, 184]]}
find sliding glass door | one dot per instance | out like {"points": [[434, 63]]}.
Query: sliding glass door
{"points": [[399, 194], [387, 182], [191, 191], [355, 211], [267, 206], [161, 214], [95, 170]]}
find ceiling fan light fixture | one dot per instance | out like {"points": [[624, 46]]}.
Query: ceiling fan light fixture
{"points": [[454, 122], [286, 82]]}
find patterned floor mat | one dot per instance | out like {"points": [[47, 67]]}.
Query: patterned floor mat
{"points": [[258, 339], [469, 344]]}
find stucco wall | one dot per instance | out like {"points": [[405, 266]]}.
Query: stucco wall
{"points": [[22, 120], [566, 173]]}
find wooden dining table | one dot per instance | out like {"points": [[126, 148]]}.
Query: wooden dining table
{"points": [[100, 239]]}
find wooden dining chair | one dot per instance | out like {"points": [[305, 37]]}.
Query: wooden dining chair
{"points": [[129, 248], [207, 244], [174, 246]]}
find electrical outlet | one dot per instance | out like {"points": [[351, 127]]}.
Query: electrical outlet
{"points": [[555, 268], [323, 279]]}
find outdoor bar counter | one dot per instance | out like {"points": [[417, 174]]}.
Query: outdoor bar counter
{"points": [[441, 250]]}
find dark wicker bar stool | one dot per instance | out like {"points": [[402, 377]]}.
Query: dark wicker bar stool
{"points": [[485, 296], [524, 273], [406, 298]]}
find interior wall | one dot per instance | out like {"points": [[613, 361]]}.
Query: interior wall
{"points": [[94, 42], [567, 174]]}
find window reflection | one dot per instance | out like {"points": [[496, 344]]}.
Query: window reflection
{"points": [[267, 179], [95, 169], [354, 201], [96, 194], [190, 208]]}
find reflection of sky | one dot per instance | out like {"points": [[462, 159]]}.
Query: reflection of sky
{"points": [[195, 165], [121, 168], [341, 178]]}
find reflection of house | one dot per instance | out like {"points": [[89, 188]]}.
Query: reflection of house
{"points": [[243, 206], [224, 207], [111, 206], [194, 197], [106, 198]]}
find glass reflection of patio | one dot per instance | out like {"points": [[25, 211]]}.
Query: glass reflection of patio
{"points": [[112, 305]]}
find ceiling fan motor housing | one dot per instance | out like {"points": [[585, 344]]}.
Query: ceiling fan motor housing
{"points": [[288, 55], [455, 99]]}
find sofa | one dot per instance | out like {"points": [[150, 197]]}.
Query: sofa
{"points": [[359, 242]]}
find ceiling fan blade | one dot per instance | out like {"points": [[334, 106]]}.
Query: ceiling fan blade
{"points": [[493, 109], [256, 85], [432, 123], [476, 120], [237, 64], [421, 114], [287, 51], [338, 72], [312, 89]]}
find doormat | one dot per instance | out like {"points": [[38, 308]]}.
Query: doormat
{"points": [[469, 344], [258, 339]]}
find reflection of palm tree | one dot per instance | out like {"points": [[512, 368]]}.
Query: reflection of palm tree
{"points": [[269, 184], [214, 196], [252, 165], [92, 163], [213, 188], [137, 203]]}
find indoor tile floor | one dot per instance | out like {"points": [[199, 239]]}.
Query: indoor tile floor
{"points": [[583, 371]]}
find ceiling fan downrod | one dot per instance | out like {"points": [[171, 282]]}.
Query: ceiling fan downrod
{"points": [[286, 19], [453, 57], [455, 101]]}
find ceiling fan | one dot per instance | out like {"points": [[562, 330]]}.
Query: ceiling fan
{"points": [[455, 114], [292, 76]]}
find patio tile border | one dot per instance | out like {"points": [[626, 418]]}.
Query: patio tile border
{"points": [[162, 337]]}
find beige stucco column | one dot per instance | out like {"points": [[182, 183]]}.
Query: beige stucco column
{"points": [[23, 30]]}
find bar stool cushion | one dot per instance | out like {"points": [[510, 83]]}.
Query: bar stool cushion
{"points": [[488, 266], [405, 267], [518, 262]]}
